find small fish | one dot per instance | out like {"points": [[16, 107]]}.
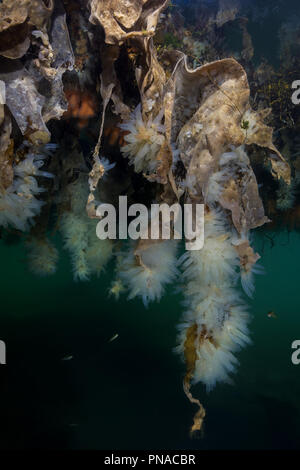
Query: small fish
{"points": [[272, 314], [114, 337], [69, 357]]}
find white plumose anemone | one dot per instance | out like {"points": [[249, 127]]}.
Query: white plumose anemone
{"points": [[147, 276], [143, 141], [18, 203]]}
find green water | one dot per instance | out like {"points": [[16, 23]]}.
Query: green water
{"points": [[128, 393]]}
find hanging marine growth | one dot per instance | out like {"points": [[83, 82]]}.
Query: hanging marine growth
{"points": [[100, 98]]}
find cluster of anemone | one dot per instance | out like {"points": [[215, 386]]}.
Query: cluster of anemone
{"points": [[214, 306], [215, 319], [89, 255], [143, 141], [214, 309], [19, 203]]}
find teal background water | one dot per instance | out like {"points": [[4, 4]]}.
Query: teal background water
{"points": [[128, 393]]}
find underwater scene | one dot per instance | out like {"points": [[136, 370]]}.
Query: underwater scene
{"points": [[150, 224]]}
